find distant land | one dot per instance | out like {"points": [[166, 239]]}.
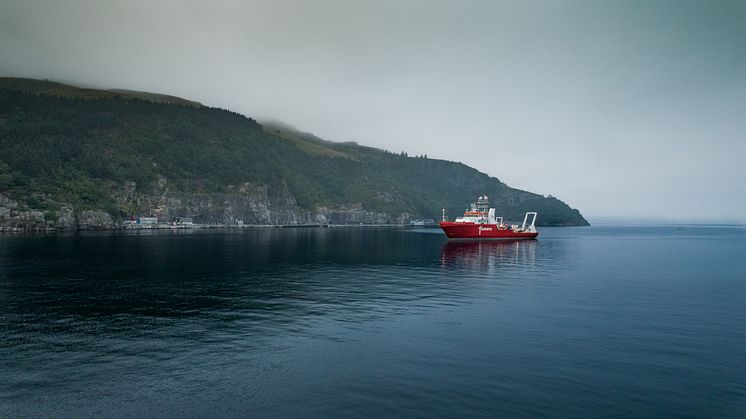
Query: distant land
{"points": [[76, 159]]}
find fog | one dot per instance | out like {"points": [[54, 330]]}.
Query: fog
{"points": [[620, 108]]}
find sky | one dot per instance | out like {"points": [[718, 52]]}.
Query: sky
{"points": [[629, 109]]}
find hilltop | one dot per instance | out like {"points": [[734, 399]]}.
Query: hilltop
{"points": [[51, 88], [87, 158]]}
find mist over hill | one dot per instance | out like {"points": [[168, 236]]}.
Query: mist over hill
{"points": [[73, 158]]}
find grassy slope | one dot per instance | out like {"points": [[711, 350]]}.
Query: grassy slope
{"points": [[63, 144]]}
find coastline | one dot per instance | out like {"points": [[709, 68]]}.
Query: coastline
{"points": [[168, 227]]}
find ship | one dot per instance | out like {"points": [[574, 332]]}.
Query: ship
{"points": [[479, 223]]}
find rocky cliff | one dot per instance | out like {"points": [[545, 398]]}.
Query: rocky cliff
{"points": [[251, 205]]}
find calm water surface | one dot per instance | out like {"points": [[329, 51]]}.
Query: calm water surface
{"points": [[348, 322]]}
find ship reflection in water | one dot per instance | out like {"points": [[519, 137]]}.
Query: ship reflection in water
{"points": [[488, 254]]}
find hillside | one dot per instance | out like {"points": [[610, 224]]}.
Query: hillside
{"points": [[70, 157], [50, 88]]}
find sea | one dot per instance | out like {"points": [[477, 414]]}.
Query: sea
{"points": [[602, 321]]}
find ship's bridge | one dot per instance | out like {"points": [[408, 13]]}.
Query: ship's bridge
{"points": [[479, 213]]}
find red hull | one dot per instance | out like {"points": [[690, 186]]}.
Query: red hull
{"points": [[474, 231]]}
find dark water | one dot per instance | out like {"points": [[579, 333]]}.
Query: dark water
{"points": [[600, 321]]}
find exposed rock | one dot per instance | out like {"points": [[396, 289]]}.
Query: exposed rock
{"points": [[95, 220], [355, 214], [7, 202], [13, 218], [352, 214], [65, 218], [251, 204], [29, 216]]}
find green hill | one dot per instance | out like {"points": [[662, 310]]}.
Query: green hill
{"points": [[65, 151]]}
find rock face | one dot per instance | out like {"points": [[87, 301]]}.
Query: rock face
{"points": [[356, 214], [243, 204], [66, 218], [253, 205], [7, 203], [95, 220], [248, 203], [15, 217]]}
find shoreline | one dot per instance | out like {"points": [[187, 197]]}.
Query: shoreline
{"points": [[168, 227]]}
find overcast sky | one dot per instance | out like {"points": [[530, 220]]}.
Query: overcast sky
{"points": [[619, 108]]}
